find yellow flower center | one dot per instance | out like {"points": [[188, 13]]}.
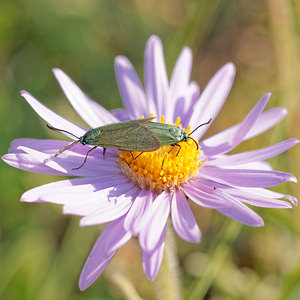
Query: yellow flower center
{"points": [[163, 169]]}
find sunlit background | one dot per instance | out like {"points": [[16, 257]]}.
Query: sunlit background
{"points": [[42, 251]]}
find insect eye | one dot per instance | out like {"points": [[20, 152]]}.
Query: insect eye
{"points": [[82, 140], [172, 130]]}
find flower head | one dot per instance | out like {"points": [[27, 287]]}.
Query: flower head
{"points": [[135, 195]]}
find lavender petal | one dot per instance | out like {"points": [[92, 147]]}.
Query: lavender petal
{"points": [[90, 111], [138, 215], [152, 231], [52, 118], [218, 143], [99, 258], [247, 178], [240, 212], [152, 259], [254, 155], [156, 80], [212, 99], [183, 220], [130, 88], [118, 203]]}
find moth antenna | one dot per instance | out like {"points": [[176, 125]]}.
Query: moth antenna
{"points": [[70, 145], [206, 123], [61, 130], [194, 142]]}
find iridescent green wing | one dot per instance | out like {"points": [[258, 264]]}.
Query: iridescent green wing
{"points": [[132, 135], [166, 134]]}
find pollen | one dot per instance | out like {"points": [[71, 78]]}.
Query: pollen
{"points": [[163, 169]]}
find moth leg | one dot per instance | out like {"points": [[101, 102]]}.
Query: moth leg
{"points": [[171, 151], [137, 155], [125, 161], [85, 158], [174, 147], [162, 164], [104, 150]]}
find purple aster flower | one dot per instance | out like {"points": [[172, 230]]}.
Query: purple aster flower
{"points": [[136, 196]]}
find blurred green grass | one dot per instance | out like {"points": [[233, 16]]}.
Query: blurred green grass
{"points": [[42, 252]]}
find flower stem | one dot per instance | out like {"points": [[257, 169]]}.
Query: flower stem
{"points": [[199, 288], [125, 286], [167, 281]]}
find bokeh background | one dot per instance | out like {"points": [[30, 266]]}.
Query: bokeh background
{"points": [[42, 251]]}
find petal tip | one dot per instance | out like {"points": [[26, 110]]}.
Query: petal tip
{"points": [[187, 51], [294, 201], [154, 39], [56, 71], [296, 141], [4, 158], [267, 96], [121, 61], [230, 68], [24, 93], [83, 285], [261, 223]]}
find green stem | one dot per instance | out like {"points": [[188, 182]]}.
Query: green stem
{"points": [[167, 281], [125, 286], [201, 285]]}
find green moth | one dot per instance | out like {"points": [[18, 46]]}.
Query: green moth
{"points": [[140, 135], [172, 135]]}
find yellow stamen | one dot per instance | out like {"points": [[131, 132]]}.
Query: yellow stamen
{"points": [[162, 169]]}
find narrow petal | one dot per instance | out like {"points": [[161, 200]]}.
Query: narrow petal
{"points": [[184, 105], [250, 120], [183, 219], [152, 231], [130, 88], [95, 165], [152, 259], [254, 155], [45, 146], [119, 203], [65, 164], [256, 200], [212, 99], [203, 195], [218, 142], [138, 215], [118, 237], [99, 258], [243, 129], [90, 111], [28, 163], [247, 178], [191, 97], [64, 188], [94, 266], [249, 192], [104, 201], [52, 118], [240, 212], [121, 114], [255, 165], [156, 80], [181, 73], [272, 194]]}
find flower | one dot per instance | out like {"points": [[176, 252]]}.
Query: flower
{"points": [[136, 196]]}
